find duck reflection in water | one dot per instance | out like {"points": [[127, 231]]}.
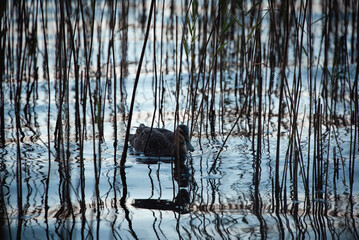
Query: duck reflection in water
{"points": [[162, 142], [180, 203]]}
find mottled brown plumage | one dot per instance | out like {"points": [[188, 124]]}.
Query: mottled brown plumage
{"points": [[161, 142]]}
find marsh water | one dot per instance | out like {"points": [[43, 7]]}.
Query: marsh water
{"points": [[275, 137]]}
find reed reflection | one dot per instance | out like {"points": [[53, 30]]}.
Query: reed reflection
{"points": [[283, 71]]}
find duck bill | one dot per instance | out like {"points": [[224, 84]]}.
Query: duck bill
{"points": [[189, 146]]}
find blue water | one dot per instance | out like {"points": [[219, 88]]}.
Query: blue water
{"points": [[149, 198]]}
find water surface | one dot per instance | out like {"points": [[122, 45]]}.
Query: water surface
{"points": [[60, 164]]}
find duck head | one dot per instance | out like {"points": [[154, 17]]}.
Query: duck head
{"points": [[182, 139]]}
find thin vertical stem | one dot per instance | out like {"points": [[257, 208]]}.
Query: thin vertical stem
{"points": [[125, 147]]}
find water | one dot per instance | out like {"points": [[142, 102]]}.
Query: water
{"points": [[207, 206], [50, 189]]}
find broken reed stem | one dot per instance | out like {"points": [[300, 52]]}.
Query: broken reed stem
{"points": [[240, 114]]}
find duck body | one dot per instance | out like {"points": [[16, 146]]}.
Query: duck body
{"points": [[161, 142]]}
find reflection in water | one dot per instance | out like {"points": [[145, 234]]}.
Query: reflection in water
{"points": [[179, 204], [175, 201], [123, 202], [287, 94], [181, 175]]}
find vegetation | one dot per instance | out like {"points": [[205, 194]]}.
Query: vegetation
{"points": [[263, 69]]}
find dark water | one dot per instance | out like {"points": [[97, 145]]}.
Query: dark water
{"points": [[64, 188]]}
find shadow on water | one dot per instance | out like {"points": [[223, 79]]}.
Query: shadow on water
{"points": [[268, 90]]}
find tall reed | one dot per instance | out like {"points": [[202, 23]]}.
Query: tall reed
{"points": [[128, 127], [274, 73]]}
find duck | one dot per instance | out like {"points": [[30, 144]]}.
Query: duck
{"points": [[162, 142]]}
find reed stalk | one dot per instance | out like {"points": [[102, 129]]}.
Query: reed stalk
{"points": [[128, 127], [243, 82], [47, 72]]}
